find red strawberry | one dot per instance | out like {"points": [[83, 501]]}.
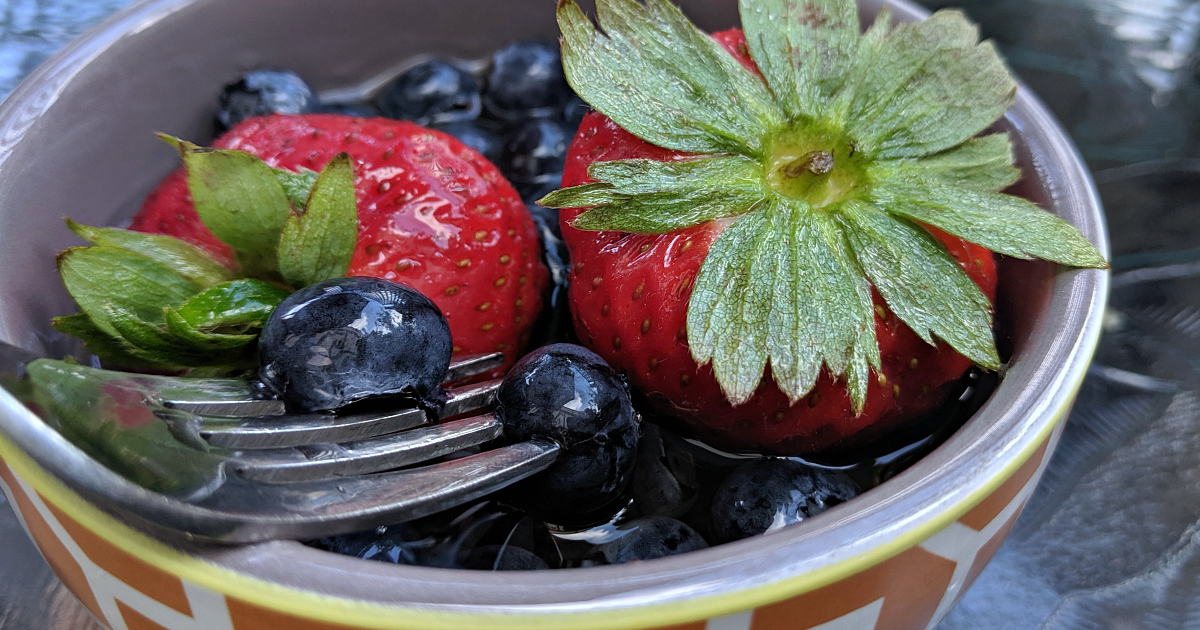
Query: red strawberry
{"points": [[432, 213], [629, 297]]}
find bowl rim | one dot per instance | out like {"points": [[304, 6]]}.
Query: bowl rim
{"points": [[897, 515]]}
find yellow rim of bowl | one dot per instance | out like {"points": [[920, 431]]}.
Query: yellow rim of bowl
{"points": [[338, 610]]}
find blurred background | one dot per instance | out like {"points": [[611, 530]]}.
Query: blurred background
{"points": [[1111, 539]]}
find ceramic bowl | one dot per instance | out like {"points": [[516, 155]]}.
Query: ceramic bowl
{"points": [[75, 139]]}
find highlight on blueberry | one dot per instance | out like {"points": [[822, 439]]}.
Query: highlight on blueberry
{"points": [[431, 93], [264, 92], [568, 394], [535, 152], [482, 140], [771, 493], [337, 341], [648, 538], [526, 80]]}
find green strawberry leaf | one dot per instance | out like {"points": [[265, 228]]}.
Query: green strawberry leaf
{"points": [[929, 87], [934, 296], [723, 326], [186, 259], [664, 80], [184, 335], [156, 343], [101, 277], [780, 284], [297, 186], [237, 304], [111, 349], [319, 244], [240, 199], [110, 416], [983, 164], [818, 181], [649, 196], [1002, 223], [803, 49]]}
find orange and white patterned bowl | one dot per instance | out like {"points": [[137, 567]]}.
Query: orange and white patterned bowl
{"points": [[75, 140]]}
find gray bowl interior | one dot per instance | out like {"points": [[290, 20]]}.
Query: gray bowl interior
{"points": [[76, 139]]}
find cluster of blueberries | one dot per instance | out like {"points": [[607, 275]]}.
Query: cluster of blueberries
{"points": [[622, 490], [627, 490], [520, 113]]}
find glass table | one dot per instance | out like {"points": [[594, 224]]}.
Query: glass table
{"points": [[1111, 539]]}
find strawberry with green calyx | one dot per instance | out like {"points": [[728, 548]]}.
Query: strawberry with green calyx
{"points": [[809, 195], [156, 302], [432, 214]]}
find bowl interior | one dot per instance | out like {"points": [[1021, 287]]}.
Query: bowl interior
{"points": [[77, 140]]}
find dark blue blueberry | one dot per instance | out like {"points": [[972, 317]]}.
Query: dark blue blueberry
{"points": [[485, 142], [535, 153], [358, 110], [431, 93], [574, 111], [665, 480], [340, 340], [398, 544], [771, 493], [568, 394], [503, 558], [526, 81], [263, 92], [555, 324], [649, 538]]}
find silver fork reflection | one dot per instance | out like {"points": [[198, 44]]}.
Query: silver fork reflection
{"points": [[266, 474]]}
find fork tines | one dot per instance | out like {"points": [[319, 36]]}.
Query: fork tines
{"points": [[257, 424]]}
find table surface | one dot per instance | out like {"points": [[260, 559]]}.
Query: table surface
{"points": [[1111, 539]]}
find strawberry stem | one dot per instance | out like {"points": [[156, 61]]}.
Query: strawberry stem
{"points": [[815, 162]]}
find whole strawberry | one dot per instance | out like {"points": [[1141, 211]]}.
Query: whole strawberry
{"points": [[432, 214], [772, 234]]}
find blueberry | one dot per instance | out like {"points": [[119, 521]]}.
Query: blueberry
{"points": [[398, 544], [357, 110], [554, 324], [476, 137], [504, 558], [574, 111], [649, 538], [263, 92], [526, 81], [771, 493], [568, 394], [535, 152], [664, 481], [340, 340], [431, 93]]}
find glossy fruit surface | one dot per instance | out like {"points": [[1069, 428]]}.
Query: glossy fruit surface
{"points": [[487, 143], [569, 395], [433, 214], [771, 493], [503, 558], [340, 340], [525, 81], [263, 92], [534, 153], [648, 538], [574, 111], [359, 110], [629, 297], [431, 93]]}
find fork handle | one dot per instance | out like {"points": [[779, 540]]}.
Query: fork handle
{"points": [[338, 506]]}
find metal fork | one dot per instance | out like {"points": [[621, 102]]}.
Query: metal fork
{"points": [[239, 469]]}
